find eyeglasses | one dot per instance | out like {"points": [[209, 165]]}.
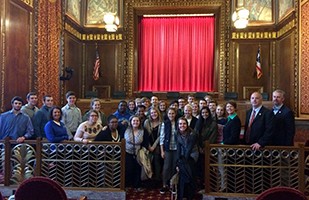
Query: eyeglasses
{"points": [[113, 122], [93, 115]]}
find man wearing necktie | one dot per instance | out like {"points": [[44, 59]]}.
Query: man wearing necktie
{"points": [[284, 123], [259, 123]]}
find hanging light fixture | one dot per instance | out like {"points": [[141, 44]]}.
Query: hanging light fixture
{"points": [[240, 18], [111, 21]]}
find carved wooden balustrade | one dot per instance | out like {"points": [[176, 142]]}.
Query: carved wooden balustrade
{"points": [[73, 165], [236, 170], [230, 170]]}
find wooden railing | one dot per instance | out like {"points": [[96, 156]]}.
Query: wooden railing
{"points": [[73, 165], [236, 170], [230, 170]]}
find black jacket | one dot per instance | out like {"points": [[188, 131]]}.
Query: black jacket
{"points": [[261, 128]]}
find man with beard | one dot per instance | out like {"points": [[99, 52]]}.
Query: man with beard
{"points": [[30, 108], [14, 124], [284, 123]]}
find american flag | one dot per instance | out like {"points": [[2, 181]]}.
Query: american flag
{"points": [[258, 67], [96, 67]]}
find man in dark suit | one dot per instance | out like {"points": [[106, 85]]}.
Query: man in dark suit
{"points": [[258, 133], [284, 123], [258, 126]]}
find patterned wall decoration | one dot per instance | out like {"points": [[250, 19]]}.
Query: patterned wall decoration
{"points": [[127, 82], [259, 11], [285, 7], [97, 8], [73, 8], [304, 54], [48, 64]]}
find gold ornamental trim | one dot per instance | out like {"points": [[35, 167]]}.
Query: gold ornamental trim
{"points": [[73, 31], [264, 35], [105, 36], [92, 36], [254, 35], [289, 26]]}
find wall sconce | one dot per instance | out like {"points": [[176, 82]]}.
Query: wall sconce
{"points": [[240, 18], [111, 22]]}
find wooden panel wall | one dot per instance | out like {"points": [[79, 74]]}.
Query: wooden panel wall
{"points": [[110, 59], [73, 58], [80, 55], [284, 71], [17, 54], [245, 71]]}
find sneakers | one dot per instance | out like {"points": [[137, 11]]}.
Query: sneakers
{"points": [[163, 190], [173, 190]]}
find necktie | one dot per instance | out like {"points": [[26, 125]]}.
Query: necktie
{"points": [[252, 118], [249, 126]]}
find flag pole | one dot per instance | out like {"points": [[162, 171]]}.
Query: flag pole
{"points": [[258, 65], [96, 73]]}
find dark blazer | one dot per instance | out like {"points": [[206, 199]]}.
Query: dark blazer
{"points": [[261, 128], [106, 134], [284, 127], [168, 134], [231, 131], [193, 122]]}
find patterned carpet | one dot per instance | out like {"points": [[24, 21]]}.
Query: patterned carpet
{"points": [[151, 191]]}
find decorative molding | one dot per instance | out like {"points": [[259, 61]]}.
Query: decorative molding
{"points": [[265, 35], [3, 34], [28, 2], [254, 35], [289, 26], [73, 31], [225, 27], [92, 36], [35, 48], [105, 36], [296, 58], [304, 60]]}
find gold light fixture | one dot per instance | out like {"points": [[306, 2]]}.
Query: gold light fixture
{"points": [[111, 21], [240, 18]]}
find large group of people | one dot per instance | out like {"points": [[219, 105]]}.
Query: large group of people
{"points": [[174, 134]]}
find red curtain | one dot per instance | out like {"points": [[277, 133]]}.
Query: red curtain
{"points": [[176, 54]]}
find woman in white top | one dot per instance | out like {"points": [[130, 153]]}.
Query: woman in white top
{"points": [[88, 130]]}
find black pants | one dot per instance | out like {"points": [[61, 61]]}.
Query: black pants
{"points": [[133, 171]]}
